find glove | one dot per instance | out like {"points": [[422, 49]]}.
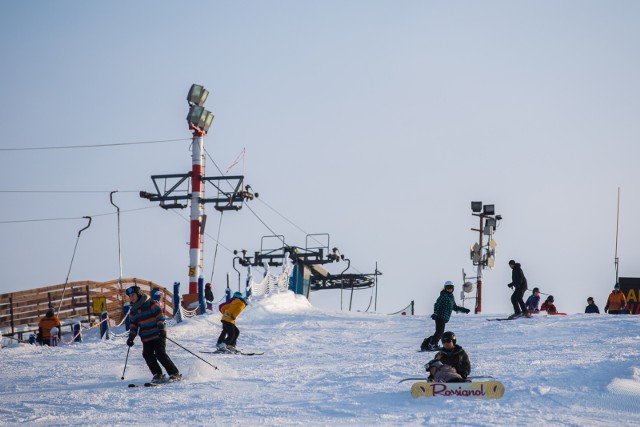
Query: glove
{"points": [[130, 342], [162, 333], [510, 285], [606, 309], [434, 317], [466, 310]]}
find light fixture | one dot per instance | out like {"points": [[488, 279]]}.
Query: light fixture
{"points": [[197, 95], [476, 206], [200, 118], [489, 209]]}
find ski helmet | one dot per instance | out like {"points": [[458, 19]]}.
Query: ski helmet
{"points": [[449, 336], [51, 312], [237, 295], [448, 284], [535, 290], [133, 290], [550, 298]]}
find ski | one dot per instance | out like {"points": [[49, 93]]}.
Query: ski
{"points": [[475, 377], [144, 385], [480, 390], [243, 353]]}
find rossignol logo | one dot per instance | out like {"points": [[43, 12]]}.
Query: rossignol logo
{"points": [[478, 390], [443, 390]]}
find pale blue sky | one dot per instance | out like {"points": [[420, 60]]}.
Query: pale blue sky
{"points": [[375, 121]]}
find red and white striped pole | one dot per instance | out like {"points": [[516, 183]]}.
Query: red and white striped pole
{"points": [[196, 209]]}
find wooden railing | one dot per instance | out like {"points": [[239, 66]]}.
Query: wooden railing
{"points": [[85, 300]]}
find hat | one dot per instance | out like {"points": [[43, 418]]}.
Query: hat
{"points": [[435, 363], [590, 299], [448, 284], [550, 298], [535, 290], [237, 295], [51, 312], [616, 286], [208, 285], [512, 262]]}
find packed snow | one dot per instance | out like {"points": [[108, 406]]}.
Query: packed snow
{"points": [[333, 368]]}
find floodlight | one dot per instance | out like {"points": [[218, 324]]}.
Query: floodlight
{"points": [[467, 287], [489, 209], [490, 222], [197, 95], [200, 118], [476, 206]]}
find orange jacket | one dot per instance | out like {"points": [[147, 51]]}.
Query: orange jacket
{"points": [[616, 301], [46, 323], [232, 310]]}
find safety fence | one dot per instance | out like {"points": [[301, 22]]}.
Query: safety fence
{"points": [[83, 301]]}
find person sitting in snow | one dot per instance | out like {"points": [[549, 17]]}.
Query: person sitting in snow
{"points": [[441, 373], [442, 309], [591, 306], [208, 296], [46, 324], [548, 306], [230, 312], [533, 301], [616, 303], [454, 355]]}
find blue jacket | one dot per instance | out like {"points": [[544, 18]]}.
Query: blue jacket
{"points": [[592, 308]]}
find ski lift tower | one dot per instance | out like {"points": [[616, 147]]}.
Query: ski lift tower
{"points": [[199, 120], [483, 255]]}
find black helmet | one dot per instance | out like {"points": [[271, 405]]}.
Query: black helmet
{"points": [[449, 336], [133, 290], [550, 298]]}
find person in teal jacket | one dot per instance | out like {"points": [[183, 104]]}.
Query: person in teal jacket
{"points": [[445, 304]]}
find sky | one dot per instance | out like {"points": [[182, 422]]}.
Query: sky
{"points": [[376, 122], [332, 368]]}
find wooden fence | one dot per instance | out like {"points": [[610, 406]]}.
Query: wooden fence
{"points": [[85, 301]]}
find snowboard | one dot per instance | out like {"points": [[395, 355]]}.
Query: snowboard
{"points": [[478, 390]]}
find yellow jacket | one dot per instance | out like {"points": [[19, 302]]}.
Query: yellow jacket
{"points": [[616, 301], [232, 310]]}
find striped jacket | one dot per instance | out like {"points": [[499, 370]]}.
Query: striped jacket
{"points": [[147, 319]]}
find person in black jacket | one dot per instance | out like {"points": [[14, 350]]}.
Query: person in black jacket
{"points": [[591, 307], [208, 296], [519, 285], [454, 355]]}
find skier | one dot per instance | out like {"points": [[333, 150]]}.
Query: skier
{"points": [[591, 306], [454, 355], [441, 373], [230, 312], [616, 303], [532, 301], [442, 309], [548, 306], [519, 285], [208, 296], [46, 324], [147, 318]]}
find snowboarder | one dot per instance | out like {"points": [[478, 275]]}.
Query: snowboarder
{"points": [[616, 303], [454, 355], [147, 319], [533, 300], [591, 306], [442, 309], [441, 373], [519, 285], [230, 312], [548, 306], [46, 324], [208, 296]]}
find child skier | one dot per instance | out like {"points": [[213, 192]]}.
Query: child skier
{"points": [[442, 309], [548, 305], [533, 301], [440, 373], [230, 312]]}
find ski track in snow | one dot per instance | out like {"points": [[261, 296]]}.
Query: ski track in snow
{"points": [[324, 368]]}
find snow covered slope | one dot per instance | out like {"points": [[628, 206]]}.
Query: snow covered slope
{"points": [[323, 368]]}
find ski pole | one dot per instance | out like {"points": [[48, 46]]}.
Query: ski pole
{"points": [[215, 367], [125, 362]]}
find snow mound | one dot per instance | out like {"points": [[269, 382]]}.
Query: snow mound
{"points": [[283, 303], [626, 386]]}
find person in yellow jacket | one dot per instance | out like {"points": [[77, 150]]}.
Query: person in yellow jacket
{"points": [[48, 322], [616, 303], [230, 312]]}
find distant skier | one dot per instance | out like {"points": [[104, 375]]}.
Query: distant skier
{"points": [[533, 301], [45, 326], [548, 306], [230, 312], [519, 285], [441, 373], [616, 303], [442, 309], [591, 306], [454, 355], [208, 296], [147, 319]]}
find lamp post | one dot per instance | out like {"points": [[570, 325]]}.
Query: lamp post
{"points": [[199, 121], [483, 255]]}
